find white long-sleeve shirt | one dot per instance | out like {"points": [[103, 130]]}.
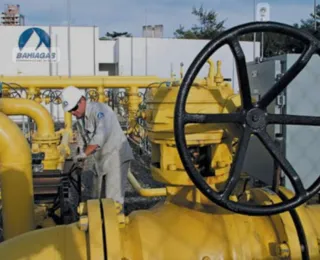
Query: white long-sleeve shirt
{"points": [[102, 128]]}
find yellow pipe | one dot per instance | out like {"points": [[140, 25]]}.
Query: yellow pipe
{"points": [[88, 82], [68, 122], [153, 192], [31, 109], [81, 82], [102, 96], [211, 73], [45, 140], [16, 179], [64, 149], [58, 243], [133, 105]]}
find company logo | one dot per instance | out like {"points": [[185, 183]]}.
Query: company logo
{"points": [[100, 115], [34, 44]]}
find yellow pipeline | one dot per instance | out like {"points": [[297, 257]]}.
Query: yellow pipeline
{"points": [[16, 179], [68, 122], [81, 82], [211, 72], [168, 231], [52, 82], [152, 192], [45, 140], [42, 117], [61, 242]]}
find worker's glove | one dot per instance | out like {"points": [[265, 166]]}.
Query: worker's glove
{"points": [[79, 158]]}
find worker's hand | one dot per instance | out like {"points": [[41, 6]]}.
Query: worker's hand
{"points": [[79, 158]]}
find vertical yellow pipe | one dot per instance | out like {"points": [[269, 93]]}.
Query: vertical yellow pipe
{"points": [[133, 105], [16, 179], [102, 96], [68, 122], [210, 78]]}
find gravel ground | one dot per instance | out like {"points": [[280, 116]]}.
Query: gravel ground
{"points": [[133, 201]]}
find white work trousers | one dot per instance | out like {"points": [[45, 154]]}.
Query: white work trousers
{"points": [[111, 183]]}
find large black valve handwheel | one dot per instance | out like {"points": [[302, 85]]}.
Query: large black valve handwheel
{"points": [[253, 118]]}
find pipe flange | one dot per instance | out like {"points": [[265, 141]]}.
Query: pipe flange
{"points": [[41, 139]]}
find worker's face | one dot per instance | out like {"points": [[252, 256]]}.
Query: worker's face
{"points": [[79, 110]]}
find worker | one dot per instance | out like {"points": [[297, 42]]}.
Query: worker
{"points": [[104, 140]]}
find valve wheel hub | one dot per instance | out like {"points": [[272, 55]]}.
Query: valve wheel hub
{"points": [[256, 119]]}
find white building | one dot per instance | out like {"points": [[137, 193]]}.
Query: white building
{"points": [[77, 51], [11, 16], [90, 56]]}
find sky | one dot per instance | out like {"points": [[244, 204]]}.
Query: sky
{"points": [[130, 15]]}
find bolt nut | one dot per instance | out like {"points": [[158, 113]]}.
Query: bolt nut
{"points": [[83, 223], [122, 220], [283, 250], [118, 207], [247, 195], [172, 167], [222, 164], [318, 240], [82, 208], [267, 203]]}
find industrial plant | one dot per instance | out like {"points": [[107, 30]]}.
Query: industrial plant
{"points": [[222, 142]]}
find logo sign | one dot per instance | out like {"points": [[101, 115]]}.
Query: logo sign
{"points": [[34, 45], [263, 12]]}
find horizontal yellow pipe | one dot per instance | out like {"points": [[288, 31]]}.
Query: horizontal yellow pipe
{"points": [[16, 180], [83, 82], [58, 243], [30, 108], [153, 192], [53, 82]]}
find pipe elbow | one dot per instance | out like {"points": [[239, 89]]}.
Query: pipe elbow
{"points": [[16, 177], [152, 192], [45, 139], [33, 110]]}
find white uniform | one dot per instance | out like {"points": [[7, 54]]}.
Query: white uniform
{"points": [[112, 159]]}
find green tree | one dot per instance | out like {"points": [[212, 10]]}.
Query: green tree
{"points": [[208, 27], [279, 44], [275, 44], [309, 23]]}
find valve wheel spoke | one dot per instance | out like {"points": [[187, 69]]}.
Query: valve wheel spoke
{"points": [[293, 120], [237, 164], [286, 166], [242, 72]]}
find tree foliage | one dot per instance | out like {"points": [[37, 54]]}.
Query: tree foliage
{"points": [[309, 25], [113, 35], [274, 44], [208, 27]]}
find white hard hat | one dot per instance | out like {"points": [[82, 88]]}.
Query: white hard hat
{"points": [[70, 97]]}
